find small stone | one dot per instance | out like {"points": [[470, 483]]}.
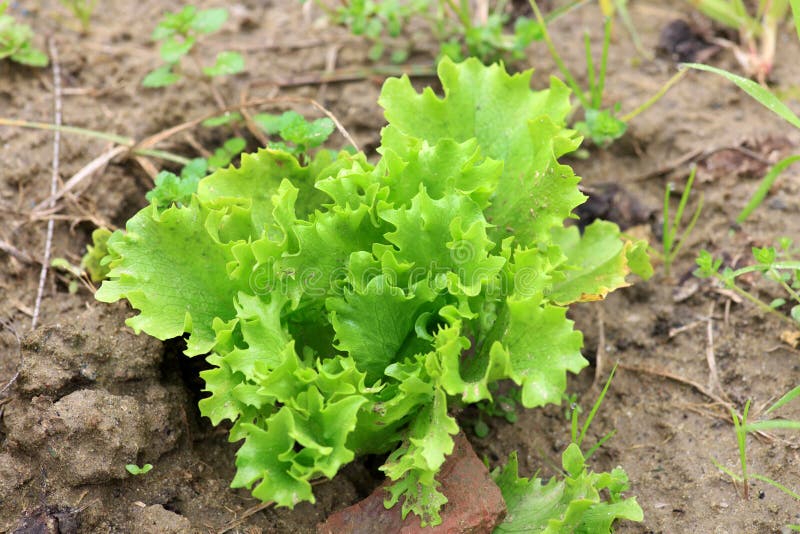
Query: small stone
{"points": [[156, 519]]}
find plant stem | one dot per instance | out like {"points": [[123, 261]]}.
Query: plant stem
{"points": [[105, 136], [118, 139], [601, 84], [559, 62], [786, 286], [462, 15], [666, 231], [757, 301], [656, 97]]}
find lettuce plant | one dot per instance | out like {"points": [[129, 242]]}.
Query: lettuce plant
{"points": [[345, 305], [16, 41]]}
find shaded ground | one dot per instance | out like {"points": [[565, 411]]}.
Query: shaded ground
{"points": [[92, 397]]}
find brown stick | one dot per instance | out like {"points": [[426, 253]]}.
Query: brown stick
{"points": [[48, 242]]}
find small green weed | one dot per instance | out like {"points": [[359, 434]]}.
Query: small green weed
{"points": [[743, 427], [600, 124], [177, 34], [73, 271], [136, 470], [776, 264], [671, 228], [297, 134], [500, 405], [572, 503], [459, 28], [82, 10], [16, 41]]}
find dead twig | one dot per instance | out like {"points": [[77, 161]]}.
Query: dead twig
{"points": [[48, 244], [88, 170], [711, 360], [677, 378], [236, 522], [4, 323], [11, 250]]}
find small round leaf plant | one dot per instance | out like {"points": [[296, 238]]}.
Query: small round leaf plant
{"points": [[344, 305]]}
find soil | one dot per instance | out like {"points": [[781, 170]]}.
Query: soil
{"points": [[86, 396]]}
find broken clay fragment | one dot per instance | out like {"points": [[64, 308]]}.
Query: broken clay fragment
{"points": [[475, 504]]}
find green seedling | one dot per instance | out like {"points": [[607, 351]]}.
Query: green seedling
{"points": [[82, 10], [380, 22], [75, 273], [776, 264], [572, 502], [743, 426], [671, 228], [297, 135], [343, 305], [600, 124], [486, 37], [16, 41], [460, 28], [135, 470], [177, 34], [504, 406], [757, 31]]}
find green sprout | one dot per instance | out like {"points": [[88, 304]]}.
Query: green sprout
{"points": [[776, 264], [73, 271], [600, 124], [456, 25], [16, 41], [500, 405], [743, 426], [573, 502], [177, 34], [82, 10], [670, 248], [136, 470], [298, 135]]}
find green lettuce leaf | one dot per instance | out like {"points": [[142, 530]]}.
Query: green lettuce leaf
{"points": [[522, 128], [573, 504]]}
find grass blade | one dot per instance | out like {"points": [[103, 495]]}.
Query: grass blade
{"points": [[687, 190], [689, 227], [601, 83], [741, 438], [764, 187], [596, 407], [666, 229], [599, 444], [796, 15], [778, 485], [734, 476], [771, 424], [788, 397], [762, 95], [590, 71]]}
